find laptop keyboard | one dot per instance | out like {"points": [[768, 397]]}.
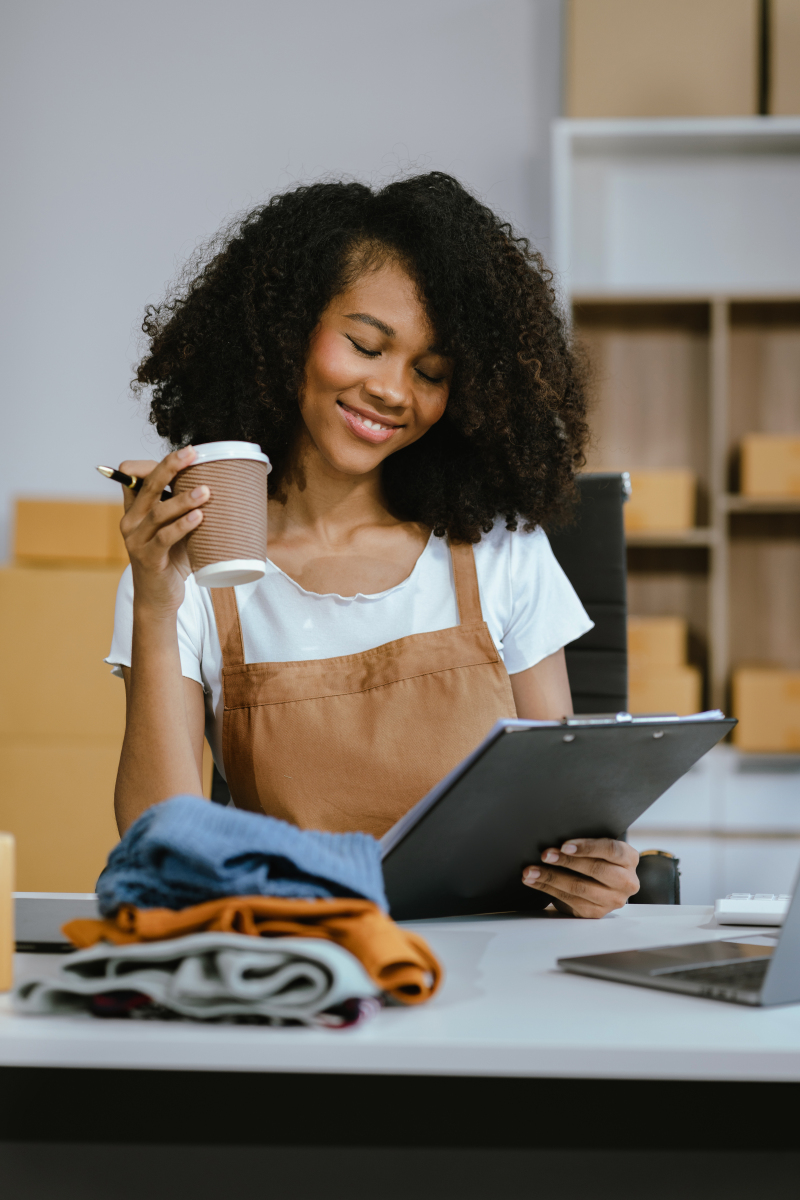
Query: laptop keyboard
{"points": [[742, 976]]}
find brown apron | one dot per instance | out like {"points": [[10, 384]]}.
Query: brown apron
{"points": [[353, 742]]}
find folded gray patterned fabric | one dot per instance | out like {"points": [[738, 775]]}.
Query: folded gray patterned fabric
{"points": [[208, 976]]}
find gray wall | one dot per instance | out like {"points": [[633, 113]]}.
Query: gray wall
{"points": [[132, 130]]}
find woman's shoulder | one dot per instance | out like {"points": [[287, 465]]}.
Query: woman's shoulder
{"points": [[512, 563], [524, 588], [512, 545]]}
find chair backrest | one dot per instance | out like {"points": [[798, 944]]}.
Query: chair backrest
{"points": [[592, 552]]}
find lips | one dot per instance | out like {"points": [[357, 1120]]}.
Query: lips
{"points": [[367, 428]]}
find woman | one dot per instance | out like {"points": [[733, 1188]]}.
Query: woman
{"points": [[399, 357]]}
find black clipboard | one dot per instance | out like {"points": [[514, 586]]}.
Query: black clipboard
{"points": [[530, 785]]}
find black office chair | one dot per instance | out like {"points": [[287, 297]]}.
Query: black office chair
{"points": [[591, 549]]}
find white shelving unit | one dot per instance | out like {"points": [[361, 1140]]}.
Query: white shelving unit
{"points": [[696, 220], [677, 208], [677, 251]]}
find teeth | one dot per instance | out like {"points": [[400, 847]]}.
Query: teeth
{"points": [[369, 424]]}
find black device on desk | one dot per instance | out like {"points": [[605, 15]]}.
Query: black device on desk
{"points": [[761, 969], [528, 786]]}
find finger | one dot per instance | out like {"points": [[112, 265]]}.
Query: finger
{"points": [[601, 869], [137, 468], [149, 495], [569, 887], [161, 475], [169, 511], [575, 910], [608, 848], [167, 537], [579, 906]]}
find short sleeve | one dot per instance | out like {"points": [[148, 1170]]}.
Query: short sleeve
{"points": [[190, 633], [546, 613]]}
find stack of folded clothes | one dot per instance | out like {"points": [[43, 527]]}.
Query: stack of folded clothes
{"points": [[218, 914]]}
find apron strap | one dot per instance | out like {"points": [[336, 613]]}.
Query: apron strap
{"points": [[229, 627], [468, 596]]}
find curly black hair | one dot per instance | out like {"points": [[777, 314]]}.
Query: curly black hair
{"points": [[228, 346]]}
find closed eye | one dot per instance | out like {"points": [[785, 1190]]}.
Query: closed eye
{"points": [[362, 349], [434, 379], [430, 378]]}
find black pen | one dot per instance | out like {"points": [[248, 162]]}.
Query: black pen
{"points": [[132, 482]]}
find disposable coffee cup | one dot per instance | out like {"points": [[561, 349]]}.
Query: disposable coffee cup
{"points": [[229, 546]]}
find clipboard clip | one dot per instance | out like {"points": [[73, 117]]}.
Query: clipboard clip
{"points": [[626, 718], [619, 718]]}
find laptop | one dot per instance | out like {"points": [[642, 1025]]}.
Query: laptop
{"points": [[38, 917], [761, 969]]}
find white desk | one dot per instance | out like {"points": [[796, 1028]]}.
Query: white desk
{"points": [[503, 1011]]}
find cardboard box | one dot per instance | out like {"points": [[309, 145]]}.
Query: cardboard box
{"points": [[68, 531], [767, 702], [676, 689], [662, 58], [657, 642], [784, 16], [770, 464], [661, 501], [57, 800], [55, 630]]}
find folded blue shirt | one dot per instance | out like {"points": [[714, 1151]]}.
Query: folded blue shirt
{"points": [[186, 850]]}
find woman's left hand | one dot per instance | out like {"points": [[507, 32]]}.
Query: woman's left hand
{"points": [[606, 876]]}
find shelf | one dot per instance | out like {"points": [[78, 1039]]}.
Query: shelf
{"points": [[761, 504], [644, 207], [693, 342], [681, 295], [673, 537]]}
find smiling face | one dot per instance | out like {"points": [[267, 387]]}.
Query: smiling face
{"points": [[374, 380]]}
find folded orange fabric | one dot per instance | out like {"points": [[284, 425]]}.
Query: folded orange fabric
{"points": [[400, 962]]}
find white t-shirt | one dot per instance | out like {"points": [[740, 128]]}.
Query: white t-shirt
{"points": [[528, 603]]}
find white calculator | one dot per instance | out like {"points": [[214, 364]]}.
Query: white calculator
{"points": [[744, 908]]}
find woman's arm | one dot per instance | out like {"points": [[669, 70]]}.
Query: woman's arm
{"points": [[601, 873], [162, 752], [542, 692]]}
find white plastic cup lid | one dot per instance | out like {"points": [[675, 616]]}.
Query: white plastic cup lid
{"points": [[231, 573], [217, 451]]}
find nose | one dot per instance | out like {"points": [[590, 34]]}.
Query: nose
{"points": [[390, 385]]}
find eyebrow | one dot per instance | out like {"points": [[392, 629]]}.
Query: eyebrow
{"points": [[368, 319]]}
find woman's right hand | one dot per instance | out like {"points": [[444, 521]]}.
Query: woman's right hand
{"points": [[155, 531]]}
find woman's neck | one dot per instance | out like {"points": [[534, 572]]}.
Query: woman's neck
{"points": [[332, 532], [323, 503]]}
